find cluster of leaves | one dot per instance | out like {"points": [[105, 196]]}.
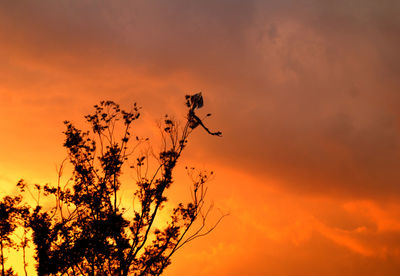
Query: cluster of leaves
{"points": [[12, 215], [86, 233]]}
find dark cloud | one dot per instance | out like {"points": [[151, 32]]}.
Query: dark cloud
{"points": [[306, 92]]}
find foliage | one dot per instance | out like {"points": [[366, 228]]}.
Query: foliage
{"points": [[12, 215], [86, 232]]}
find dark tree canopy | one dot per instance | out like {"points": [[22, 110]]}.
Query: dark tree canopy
{"points": [[86, 232]]}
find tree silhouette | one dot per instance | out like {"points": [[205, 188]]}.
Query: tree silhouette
{"points": [[87, 232], [12, 215]]}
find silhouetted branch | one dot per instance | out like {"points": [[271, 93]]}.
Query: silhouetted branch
{"points": [[86, 232]]}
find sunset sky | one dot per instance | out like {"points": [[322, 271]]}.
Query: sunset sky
{"points": [[306, 93]]}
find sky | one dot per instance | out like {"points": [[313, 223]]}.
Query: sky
{"points": [[305, 93]]}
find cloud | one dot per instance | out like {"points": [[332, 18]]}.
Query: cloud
{"points": [[276, 233], [305, 93]]}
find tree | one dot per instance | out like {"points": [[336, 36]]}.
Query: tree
{"points": [[87, 232], [12, 215]]}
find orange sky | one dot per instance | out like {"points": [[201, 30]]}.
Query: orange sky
{"points": [[306, 94]]}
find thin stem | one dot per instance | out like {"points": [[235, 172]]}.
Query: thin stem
{"points": [[2, 259]]}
